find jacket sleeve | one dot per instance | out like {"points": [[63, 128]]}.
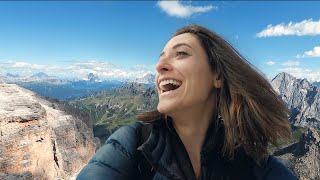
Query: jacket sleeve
{"points": [[115, 160], [275, 170]]}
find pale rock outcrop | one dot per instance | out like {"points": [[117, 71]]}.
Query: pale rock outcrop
{"points": [[307, 163], [37, 137], [16, 176]]}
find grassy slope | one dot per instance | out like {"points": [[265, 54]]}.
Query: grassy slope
{"points": [[296, 134], [116, 108]]}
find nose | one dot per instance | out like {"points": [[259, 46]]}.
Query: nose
{"points": [[163, 66]]}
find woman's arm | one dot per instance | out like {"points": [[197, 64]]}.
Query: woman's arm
{"points": [[116, 160]]}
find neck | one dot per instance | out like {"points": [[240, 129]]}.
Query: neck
{"points": [[191, 125]]}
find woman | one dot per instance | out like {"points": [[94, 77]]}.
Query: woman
{"points": [[215, 118]]}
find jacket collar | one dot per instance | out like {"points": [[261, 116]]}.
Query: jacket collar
{"points": [[214, 136], [158, 150]]}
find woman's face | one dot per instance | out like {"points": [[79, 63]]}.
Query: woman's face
{"points": [[184, 78]]}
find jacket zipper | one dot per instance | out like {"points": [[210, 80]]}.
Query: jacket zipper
{"points": [[156, 169]]}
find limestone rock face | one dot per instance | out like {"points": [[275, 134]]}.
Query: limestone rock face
{"points": [[302, 99], [39, 138], [307, 163]]}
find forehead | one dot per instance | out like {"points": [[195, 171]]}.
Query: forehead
{"points": [[186, 38]]}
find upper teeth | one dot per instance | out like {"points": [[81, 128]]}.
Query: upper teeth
{"points": [[170, 81]]}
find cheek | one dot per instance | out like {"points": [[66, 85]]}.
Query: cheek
{"points": [[200, 85], [202, 89]]}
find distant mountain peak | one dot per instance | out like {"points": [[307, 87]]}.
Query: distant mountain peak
{"points": [[301, 98], [146, 79], [282, 76], [40, 74], [12, 75], [91, 77]]}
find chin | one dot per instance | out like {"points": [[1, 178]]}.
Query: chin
{"points": [[166, 108], [161, 109]]}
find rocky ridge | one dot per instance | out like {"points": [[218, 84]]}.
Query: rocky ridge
{"points": [[303, 157], [38, 140]]}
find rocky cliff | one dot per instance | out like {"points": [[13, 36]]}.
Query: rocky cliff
{"points": [[301, 97], [303, 157], [38, 140]]}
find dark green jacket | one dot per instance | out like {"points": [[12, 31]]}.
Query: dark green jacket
{"points": [[154, 151]]}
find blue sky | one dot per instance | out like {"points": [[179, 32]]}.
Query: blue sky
{"points": [[124, 39]]}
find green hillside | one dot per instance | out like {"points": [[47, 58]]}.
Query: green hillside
{"points": [[117, 107]]}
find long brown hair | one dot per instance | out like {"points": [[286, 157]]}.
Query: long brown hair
{"points": [[252, 113]]}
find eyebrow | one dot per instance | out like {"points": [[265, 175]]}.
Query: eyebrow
{"points": [[176, 46]]}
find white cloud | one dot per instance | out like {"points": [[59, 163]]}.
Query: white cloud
{"points": [[270, 63], [315, 52], [147, 68], [305, 27], [177, 9], [109, 70], [310, 75], [25, 65], [291, 63], [102, 69]]}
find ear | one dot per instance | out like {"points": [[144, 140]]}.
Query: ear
{"points": [[217, 82]]}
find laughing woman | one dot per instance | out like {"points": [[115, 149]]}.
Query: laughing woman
{"points": [[215, 118]]}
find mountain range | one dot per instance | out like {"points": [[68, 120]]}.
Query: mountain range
{"points": [[40, 74], [63, 89], [301, 97]]}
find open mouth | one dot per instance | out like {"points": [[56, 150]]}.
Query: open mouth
{"points": [[169, 85]]}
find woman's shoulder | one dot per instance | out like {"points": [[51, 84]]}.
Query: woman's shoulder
{"points": [[127, 136], [124, 140], [274, 169], [116, 158]]}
